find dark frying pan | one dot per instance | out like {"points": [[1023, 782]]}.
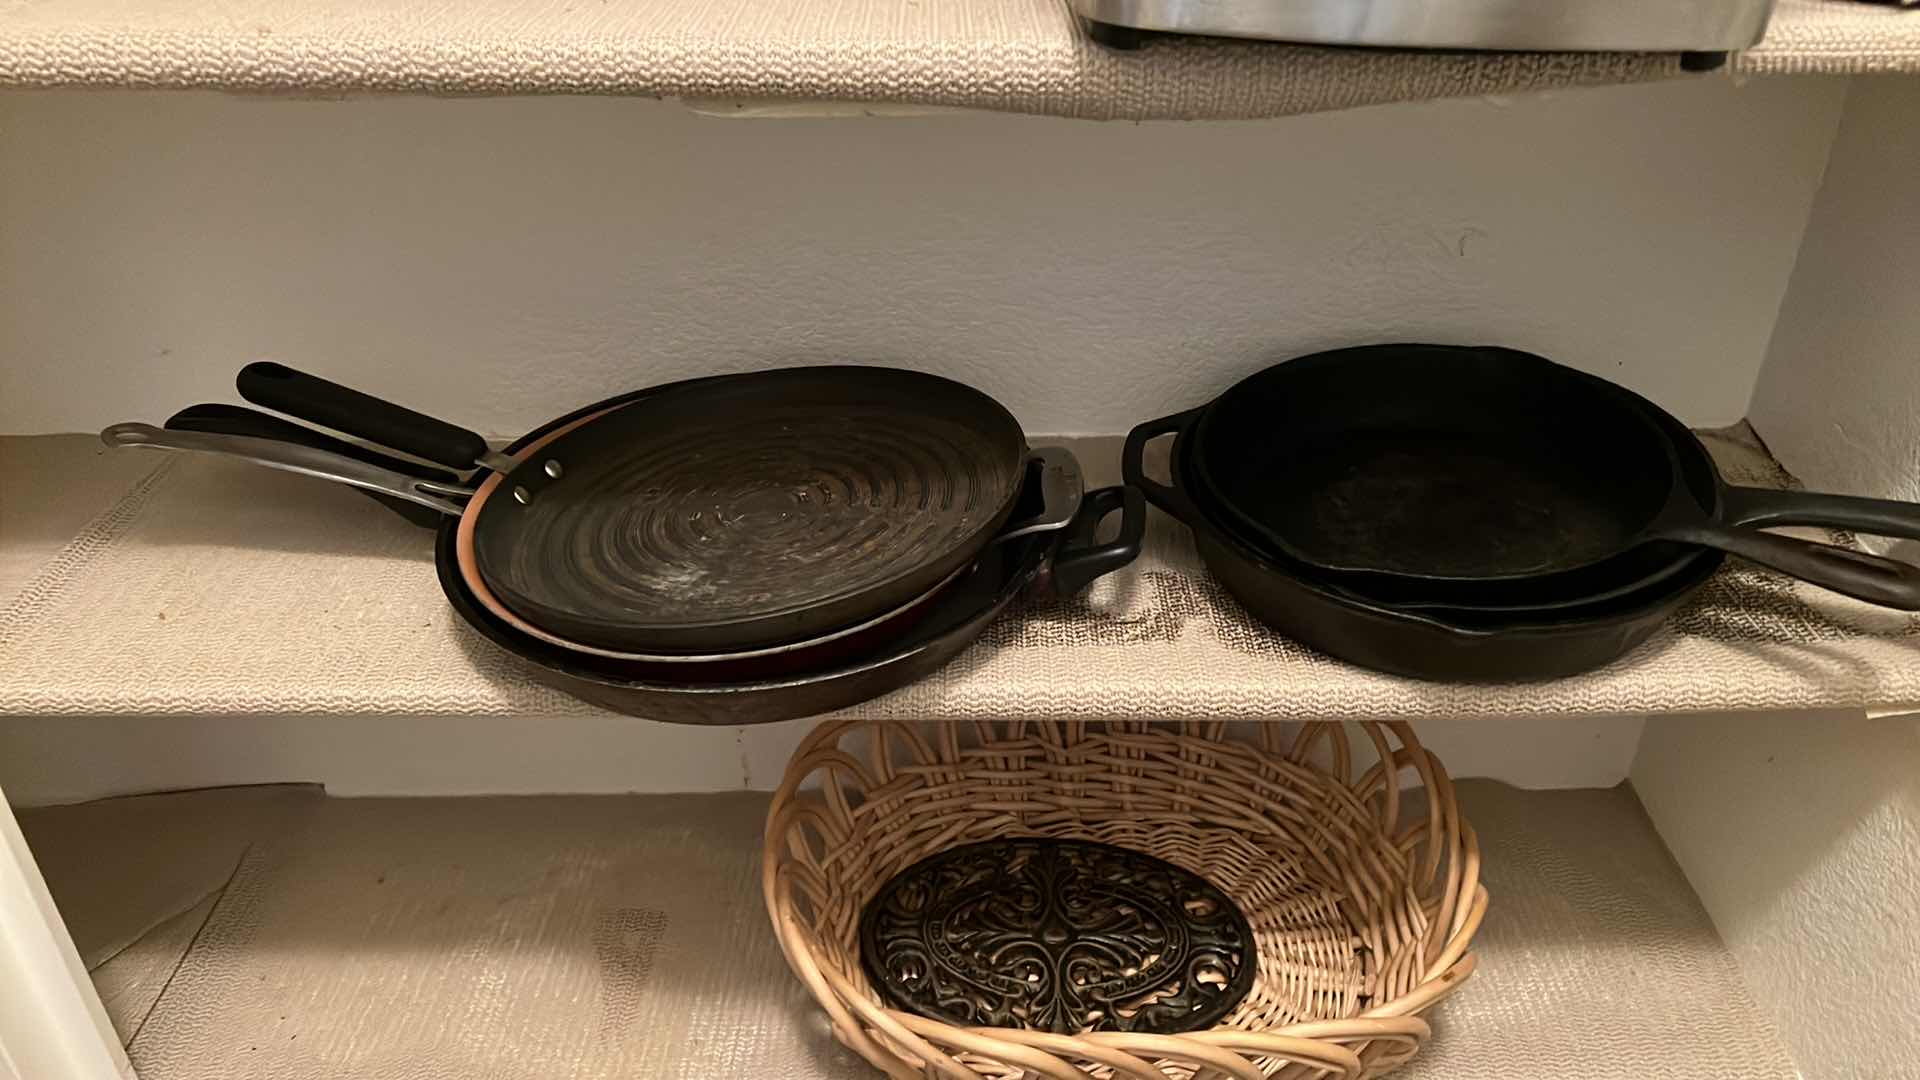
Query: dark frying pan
{"points": [[1051, 492], [1468, 647], [1427, 475], [720, 514], [750, 689]]}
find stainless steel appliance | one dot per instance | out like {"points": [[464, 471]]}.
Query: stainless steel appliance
{"points": [[1701, 26]]}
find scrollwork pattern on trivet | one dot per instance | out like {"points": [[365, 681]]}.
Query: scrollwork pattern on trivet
{"points": [[1058, 936]]}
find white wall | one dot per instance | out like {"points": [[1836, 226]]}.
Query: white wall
{"points": [[1801, 833], [506, 259], [1839, 399]]}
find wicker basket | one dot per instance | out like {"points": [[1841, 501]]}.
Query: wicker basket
{"points": [[1363, 904]]}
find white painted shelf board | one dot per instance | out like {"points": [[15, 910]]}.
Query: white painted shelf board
{"points": [[273, 932], [1010, 55], [213, 588]]}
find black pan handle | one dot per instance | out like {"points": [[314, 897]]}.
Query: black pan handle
{"points": [[1080, 559], [1133, 468], [311, 398], [1769, 506], [1877, 580], [218, 419]]}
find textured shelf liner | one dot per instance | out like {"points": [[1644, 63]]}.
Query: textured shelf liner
{"points": [[1013, 55], [213, 587], [577, 938]]}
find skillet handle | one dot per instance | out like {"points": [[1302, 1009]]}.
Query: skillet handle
{"points": [[1079, 560], [237, 420], [449, 499], [1877, 580], [1874, 517], [329, 404], [1133, 467]]}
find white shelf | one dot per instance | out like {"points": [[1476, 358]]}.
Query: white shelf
{"points": [[275, 933], [1010, 55], [212, 588]]}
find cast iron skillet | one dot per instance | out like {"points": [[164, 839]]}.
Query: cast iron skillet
{"points": [[1467, 648], [718, 514], [1488, 477]]}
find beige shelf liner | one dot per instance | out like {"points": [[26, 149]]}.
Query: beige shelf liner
{"points": [[217, 588], [576, 938], [1014, 55]]}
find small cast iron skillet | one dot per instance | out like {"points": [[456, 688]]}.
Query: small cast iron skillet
{"points": [[1484, 478], [1463, 647]]}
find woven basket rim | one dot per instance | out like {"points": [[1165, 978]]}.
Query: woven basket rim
{"points": [[1403, 871]]}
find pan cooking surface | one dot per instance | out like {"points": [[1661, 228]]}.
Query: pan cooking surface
{"points": [[720, 514], [1444, 503]]}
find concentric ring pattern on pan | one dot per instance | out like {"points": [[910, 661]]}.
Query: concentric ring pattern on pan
{"points": [[733, 502]]}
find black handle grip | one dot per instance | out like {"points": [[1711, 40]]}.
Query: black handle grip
{"points": [[1079, 559], [1873, 578], [1133, 467], [311, 398], [235, 420], [1769, 507]]}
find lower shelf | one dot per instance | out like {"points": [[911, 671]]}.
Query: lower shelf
{"points": [[211, 588], [272, 932]]}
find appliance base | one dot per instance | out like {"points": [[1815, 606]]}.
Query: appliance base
{"points": [[1690, 26]]}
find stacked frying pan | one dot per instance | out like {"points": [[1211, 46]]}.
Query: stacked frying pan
{"points": [[1478, 514], [734, 549]]}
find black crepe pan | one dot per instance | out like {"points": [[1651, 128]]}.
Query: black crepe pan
{"points": [[1482, 477], [719, 514], [1466, 647]]}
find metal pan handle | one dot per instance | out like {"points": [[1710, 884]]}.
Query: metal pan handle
{"points": [[220, 419], [1133, 465], [1079, 559], [320, 401], [1767, 507], [445, 498], [1055, 474], [1877, 580]]}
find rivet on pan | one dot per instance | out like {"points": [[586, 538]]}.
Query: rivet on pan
{"points": [[553, 469], [522, 496]]}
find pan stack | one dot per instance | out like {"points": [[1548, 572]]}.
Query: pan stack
{"points": [[1479, 513], [734, 549]]}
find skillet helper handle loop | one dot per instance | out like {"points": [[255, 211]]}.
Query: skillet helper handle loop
{"points": [[1872, 517], [1133, 465], [219, 419], [1873, 578], [1079, 559], [311, 398]]}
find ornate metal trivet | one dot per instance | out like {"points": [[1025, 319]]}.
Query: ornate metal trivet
{"points": [[1057, 935]]}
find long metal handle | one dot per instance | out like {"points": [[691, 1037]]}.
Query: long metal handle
{"points": [[305, 460]]}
